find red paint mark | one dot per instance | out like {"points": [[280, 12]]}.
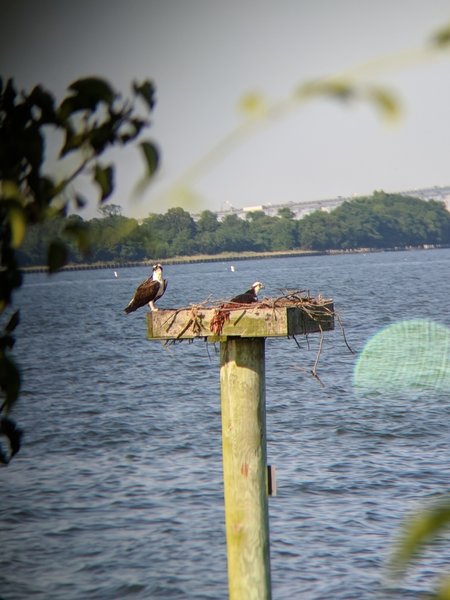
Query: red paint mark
{"points": [[244, 470]]}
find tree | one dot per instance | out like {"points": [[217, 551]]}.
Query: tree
{"points": [[284, 234], [207, 222], [91, 119], [261, 230], [233, 235], [179, 231], [108, 235], [207, 227], [178, 221], [110, 210], [286, 213], [315, 231]]}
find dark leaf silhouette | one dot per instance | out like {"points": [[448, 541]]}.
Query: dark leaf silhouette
{"points": [[57, 255], [13, 322], [146, 90], [104, 176], [9, 381], [151, 156], [13, 435]]}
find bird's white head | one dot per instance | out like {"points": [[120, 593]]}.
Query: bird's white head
{"points": [[257, 287], [157, 272]]}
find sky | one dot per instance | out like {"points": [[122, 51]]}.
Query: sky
{"points": [[204, 56]]}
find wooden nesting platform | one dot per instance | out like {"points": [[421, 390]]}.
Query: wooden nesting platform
{"points": [[269, 318]]}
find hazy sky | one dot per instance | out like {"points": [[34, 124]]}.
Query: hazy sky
{"points": [[204, 55]]}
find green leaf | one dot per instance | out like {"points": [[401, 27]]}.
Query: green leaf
{"points": [[146, 90], [9, 429], [45, 102], [341, 89], [253, 104], [442, 37], [9, 97], [93, 89], [80, 232], [87, 94], [104, 177], [17, 223], [34, 146], [136, 127], [421, 529], [6, 341], [10, 279], [73, 141], [13, 322], [151, 156], [443, 592], [71, 105], [386, 102], [9, 381], [57, 255], [139, 123], [100, 137]]}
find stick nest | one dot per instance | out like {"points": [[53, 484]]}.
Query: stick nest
{"points": [[314, 307]]}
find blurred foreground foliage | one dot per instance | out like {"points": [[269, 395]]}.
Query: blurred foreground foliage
{"points": [[89, 121], [422, 529]]}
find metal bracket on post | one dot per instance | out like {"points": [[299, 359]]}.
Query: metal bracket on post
{"points": [[271, 481]]}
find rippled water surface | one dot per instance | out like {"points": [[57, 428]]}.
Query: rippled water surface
{"points": [[117, 492]]}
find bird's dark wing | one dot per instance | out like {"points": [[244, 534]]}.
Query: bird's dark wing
{"points": [[247, 297], [163, 288], [145, 292]]}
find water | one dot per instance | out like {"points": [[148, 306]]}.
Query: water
{"points": [[117, 492]]}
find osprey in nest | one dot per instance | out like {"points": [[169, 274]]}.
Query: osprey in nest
{"points": [[250, 295], [149, 291]]}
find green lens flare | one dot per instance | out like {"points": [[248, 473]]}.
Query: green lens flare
{"points": [[408, 355]]}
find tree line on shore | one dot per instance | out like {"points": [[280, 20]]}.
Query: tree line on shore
{"points": [[378, 221]]}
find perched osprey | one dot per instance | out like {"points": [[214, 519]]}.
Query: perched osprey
{"points": [[250, 295], [148, 291]]}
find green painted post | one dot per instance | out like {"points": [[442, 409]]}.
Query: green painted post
{"points": [[242, 387]]}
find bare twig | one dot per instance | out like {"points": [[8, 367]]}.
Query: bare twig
{"points": [[343, 332], [316, 362], [295, 340]]}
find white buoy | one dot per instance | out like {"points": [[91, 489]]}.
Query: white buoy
{"points": [[116, 274], [232, 268]]}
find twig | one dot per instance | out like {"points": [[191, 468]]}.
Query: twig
{"points": [[316, 362], [314, 308], [343, 332], [296, 341]]}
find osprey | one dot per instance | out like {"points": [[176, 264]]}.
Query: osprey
{"points": [[250, 295], [148, 291]]}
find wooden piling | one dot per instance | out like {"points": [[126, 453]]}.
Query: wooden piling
{"points": [[241, 333], [242, 390]]}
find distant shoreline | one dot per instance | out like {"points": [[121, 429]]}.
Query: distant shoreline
{"points": [[225, 257]]}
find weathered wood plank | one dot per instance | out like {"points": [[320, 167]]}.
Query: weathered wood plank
{"points": [[246, 322]]}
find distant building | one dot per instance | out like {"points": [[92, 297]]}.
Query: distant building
{"points": [[301, 209], [249, 209]]}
